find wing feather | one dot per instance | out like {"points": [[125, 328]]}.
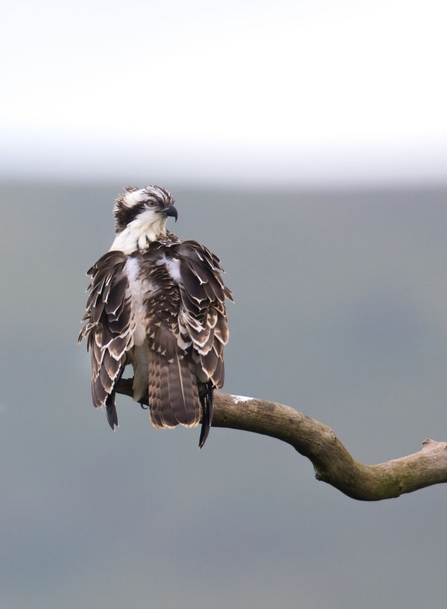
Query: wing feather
{"points": [[108, 328], [204, 314]]}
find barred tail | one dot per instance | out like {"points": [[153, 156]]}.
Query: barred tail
{"points": [[173, 392]]}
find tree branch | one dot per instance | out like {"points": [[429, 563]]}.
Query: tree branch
{"points": [[332, 462]]}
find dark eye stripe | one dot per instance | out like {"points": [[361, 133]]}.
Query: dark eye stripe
{"points": [[124, 215]]}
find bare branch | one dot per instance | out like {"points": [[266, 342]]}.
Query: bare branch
{"points": [[331, 460]]}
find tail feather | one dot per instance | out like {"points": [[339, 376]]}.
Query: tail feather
{"points": [[173, 392], [156, 409], [183, 391]]}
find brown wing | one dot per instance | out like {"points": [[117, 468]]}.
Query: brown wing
{"points": [[108, 329], [203, 319]]}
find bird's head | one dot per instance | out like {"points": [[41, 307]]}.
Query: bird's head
{"points": [[140, 217], [149, 206]]}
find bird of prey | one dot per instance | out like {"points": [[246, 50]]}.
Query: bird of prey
{"points": [[157, 303]]}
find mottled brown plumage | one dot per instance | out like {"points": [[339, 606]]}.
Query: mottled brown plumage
{"points": [[159, 304]]}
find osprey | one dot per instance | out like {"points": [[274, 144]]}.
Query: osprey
{"points": [[157, 303]]}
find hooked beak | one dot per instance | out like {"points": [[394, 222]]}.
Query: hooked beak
{"points": [[171, 211]]}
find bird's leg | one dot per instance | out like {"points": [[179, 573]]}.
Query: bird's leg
{"points": [[125, 387]]}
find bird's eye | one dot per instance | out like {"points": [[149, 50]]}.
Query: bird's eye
{"points": [[151, 203]]}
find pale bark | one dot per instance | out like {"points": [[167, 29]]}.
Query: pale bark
{"points": [[331, 460]]}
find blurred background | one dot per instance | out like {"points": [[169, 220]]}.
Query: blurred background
{"points": [[306, 144]]}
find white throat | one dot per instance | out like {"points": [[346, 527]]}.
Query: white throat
{"points": [[137, 235]]}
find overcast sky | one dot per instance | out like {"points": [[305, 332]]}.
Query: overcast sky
{"points": [[242, 91]]}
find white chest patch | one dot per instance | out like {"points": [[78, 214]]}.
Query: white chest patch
{"points": [[138, 287]]}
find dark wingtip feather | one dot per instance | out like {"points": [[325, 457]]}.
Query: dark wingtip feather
{"points": [[112, 416], [207, 413]]}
